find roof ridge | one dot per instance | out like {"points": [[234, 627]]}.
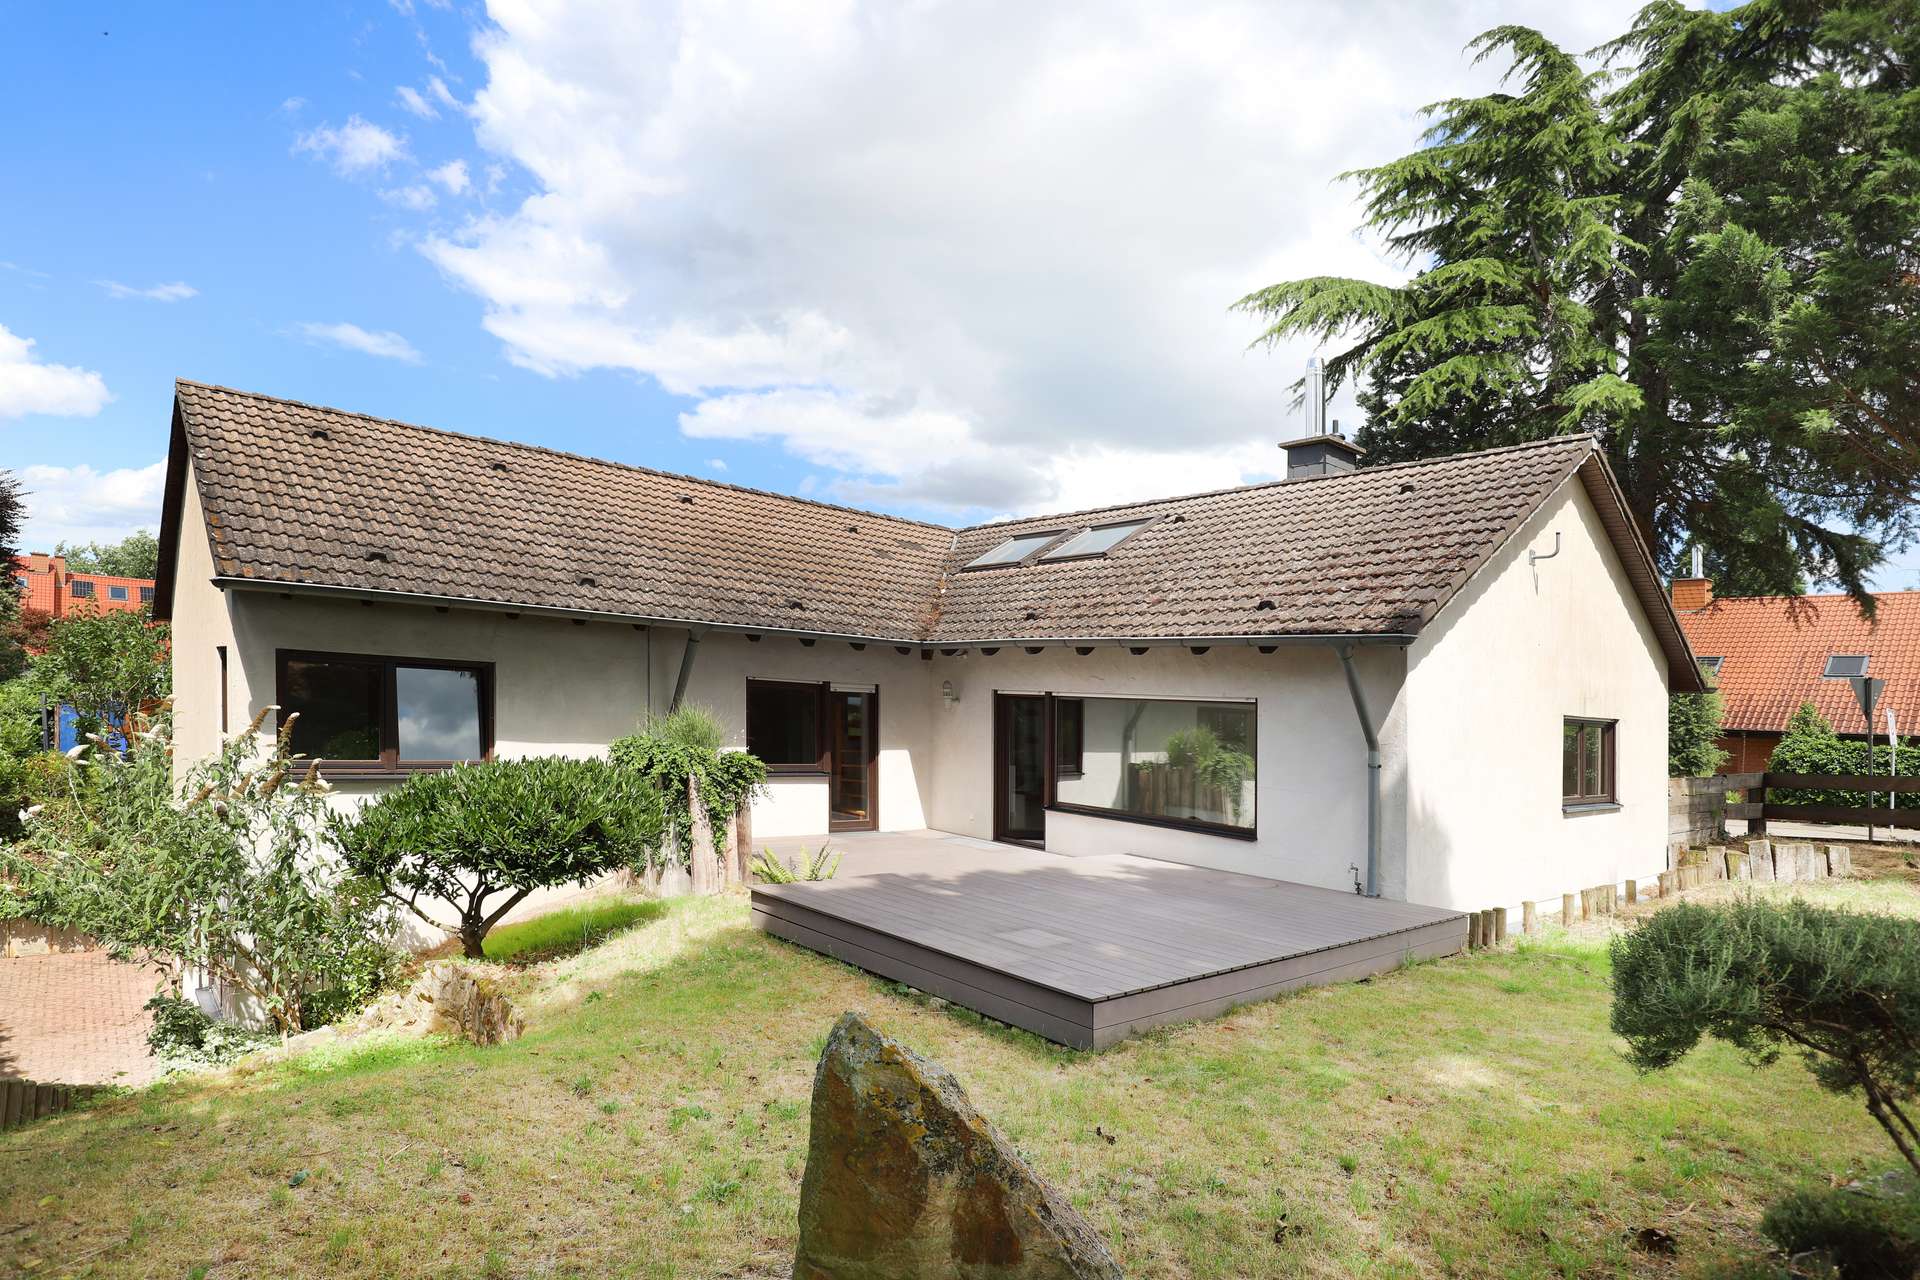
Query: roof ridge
{"points": [[562, 453], [1809, 596], [1590, 438]]}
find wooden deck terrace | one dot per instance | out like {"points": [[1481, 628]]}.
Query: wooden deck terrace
{"points": [[1087, 951]]}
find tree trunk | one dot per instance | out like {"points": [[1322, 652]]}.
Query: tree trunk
{"points": [[701, 860], [472, 935]]}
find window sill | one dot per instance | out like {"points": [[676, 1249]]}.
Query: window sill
{"points": [[344, 772], [1590, 806], [1171, 824], [794, 772]]}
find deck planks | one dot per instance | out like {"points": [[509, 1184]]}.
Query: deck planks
{"points": [[1087, 951]]}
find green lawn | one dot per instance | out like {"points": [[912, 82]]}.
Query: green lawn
{"points": [[568, 930], [1466, 1117]]}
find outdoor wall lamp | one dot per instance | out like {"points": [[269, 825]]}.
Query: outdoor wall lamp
{"points": [[947, 693]]}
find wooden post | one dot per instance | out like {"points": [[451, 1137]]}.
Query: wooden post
{"points": [[1529, 918], [743, 841], [1566, 911], [1757, 795], [1499, 925], [1633, 892], [1666, 884], [702, 862]]}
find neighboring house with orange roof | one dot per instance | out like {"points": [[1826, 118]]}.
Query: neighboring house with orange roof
{"points": [[1771, 654], [48, 586]]}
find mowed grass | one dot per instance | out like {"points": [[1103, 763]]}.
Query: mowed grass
{"points": [[569, 930], [1468, 1117]]}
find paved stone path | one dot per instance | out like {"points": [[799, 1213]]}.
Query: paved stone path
{"points": [[75, 1019]]}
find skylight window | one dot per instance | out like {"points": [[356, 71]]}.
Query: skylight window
{"points": [[1711, 665], [1845, 666], [1096, 541], [1013, 550]]}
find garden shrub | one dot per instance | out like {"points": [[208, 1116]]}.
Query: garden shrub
{"points": [[1841, 988], [471, 834], [227, 875], [182, 1035], [684, 744], [1811, 746], [1869, 1232], [1693, 734]]}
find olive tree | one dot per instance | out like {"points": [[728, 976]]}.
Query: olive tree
{"points": [[480, 838], [1841, 988]]}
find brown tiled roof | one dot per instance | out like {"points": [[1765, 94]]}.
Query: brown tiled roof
{"points": [[300, 494], [1377, 550], [305, 495], [1774, 649]]}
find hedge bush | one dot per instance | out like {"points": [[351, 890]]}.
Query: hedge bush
{"points": [[684, 744], [1811, 746]]}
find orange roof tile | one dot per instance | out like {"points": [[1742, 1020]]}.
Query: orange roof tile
{"points": [[1774, 649]]}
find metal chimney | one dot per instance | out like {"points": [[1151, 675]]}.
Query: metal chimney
{"points": [[1316, 398]]}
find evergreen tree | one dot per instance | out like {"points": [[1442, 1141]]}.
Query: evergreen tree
{"points": [[1707, 252]]}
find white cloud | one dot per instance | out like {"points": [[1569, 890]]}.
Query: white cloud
{"points": [[716, 464], [29, 385], [962, 255], [356, 147], [411, 99], [453, 176], [293, 106], [80, 504], [178, 291], [384, 343], [443, 95], [416, 196]]}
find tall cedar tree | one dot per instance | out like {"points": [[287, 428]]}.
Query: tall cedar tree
{"points": [[1707, 252]]}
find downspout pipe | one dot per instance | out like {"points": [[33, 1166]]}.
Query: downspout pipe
{"points": [[1373, 769], [687, 655]]}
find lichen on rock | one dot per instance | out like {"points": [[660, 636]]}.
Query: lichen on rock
{"points": [[905, 1178]]}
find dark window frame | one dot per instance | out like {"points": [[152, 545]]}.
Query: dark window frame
{"points": [[1828, 673], [221, 650], [1608, 796], [1198, 825], [80, 588], [822, 763], [1074, 744], [146, 595], [389, 764]]}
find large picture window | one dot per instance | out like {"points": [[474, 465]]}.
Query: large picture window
{"points": [[1586, 762], [784, 725], [1155, 760], [377, 714]]}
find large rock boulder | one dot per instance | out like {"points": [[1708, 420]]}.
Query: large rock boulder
{"points": [[905, 1179], [448, 999]]}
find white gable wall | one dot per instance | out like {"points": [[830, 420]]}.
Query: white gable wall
{"points": [[1489, 683]]}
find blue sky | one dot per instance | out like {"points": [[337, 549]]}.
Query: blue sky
{"points": [[887, 256]]}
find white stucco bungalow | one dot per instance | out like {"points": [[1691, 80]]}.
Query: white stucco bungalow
{"points": [[1446, 681]]}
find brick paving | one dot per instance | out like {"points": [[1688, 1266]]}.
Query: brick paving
{"points": [[75, 1019]]}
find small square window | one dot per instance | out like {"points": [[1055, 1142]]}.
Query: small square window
{"points": [[81, 588], [116, 591], [1096, 541], [1845, 666], [1013, 550], [1586, 762], [146, 595]]}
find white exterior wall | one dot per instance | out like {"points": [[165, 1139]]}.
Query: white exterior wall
{"points": [[797, 803], [1489, 683], [1311, 805]]}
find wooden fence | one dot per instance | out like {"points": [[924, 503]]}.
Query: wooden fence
{"points": [[23, 1101], [1696, 811], [1758, 810]]}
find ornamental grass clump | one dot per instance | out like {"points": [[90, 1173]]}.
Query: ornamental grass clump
{"points": [[480, 838], [679, 755], [1841, 988]]}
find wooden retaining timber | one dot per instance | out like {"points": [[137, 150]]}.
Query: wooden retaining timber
{"points": [[24, 1101], [1759, 810]]}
